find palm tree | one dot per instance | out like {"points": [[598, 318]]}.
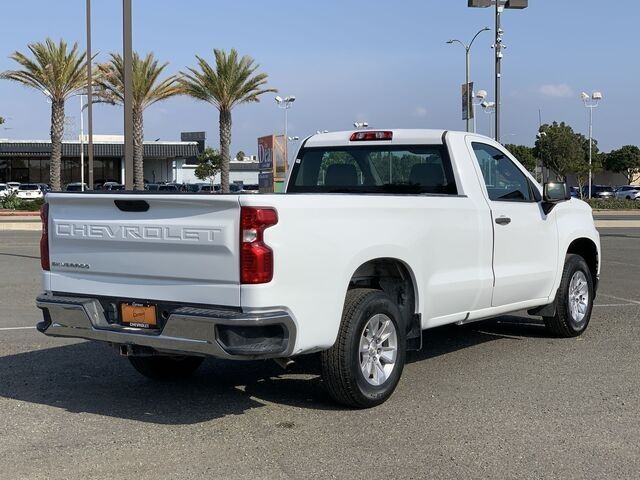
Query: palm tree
{"points": [[147, 90], [230, 83], [59, 73]]}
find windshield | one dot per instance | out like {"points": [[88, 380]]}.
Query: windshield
{"points": [[373, 169]]}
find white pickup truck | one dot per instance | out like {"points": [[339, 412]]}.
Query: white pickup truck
{"points": [[381, 234]]}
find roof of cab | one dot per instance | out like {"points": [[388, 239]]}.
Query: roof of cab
{"points": [[400, 137]]}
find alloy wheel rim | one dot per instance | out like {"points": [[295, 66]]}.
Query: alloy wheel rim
{"points": [[578, 296], [378, 349]]}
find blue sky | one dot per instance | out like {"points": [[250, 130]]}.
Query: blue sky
{"points": [[380, 61]]}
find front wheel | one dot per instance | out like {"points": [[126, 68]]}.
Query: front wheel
{"points": [[574, 300], [166, 367], [363, 367]]}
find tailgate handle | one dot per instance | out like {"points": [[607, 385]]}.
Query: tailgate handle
{"points": [[132, 205]]}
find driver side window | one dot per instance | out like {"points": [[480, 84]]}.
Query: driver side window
{"points": [[505, 182]]}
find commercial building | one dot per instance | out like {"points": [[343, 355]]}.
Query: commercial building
{"points": [[27, 161]]}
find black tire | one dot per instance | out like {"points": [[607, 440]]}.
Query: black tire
{"points": [[563, 324], [166, 367], [340, 365]]}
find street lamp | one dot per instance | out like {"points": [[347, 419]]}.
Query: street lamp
{"points": [[590, 102], [479, 96], [467, 49], [489, 108], [285, 104], [361, 124]]}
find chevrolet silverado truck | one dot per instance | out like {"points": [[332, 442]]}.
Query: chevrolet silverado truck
{"points": [[381, 234]]}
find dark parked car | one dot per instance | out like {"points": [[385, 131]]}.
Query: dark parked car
{"points": [[598, 191]]}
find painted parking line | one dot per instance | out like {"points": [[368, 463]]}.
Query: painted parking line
{"points": [[628, 300], [16, 328], [615, 305]]}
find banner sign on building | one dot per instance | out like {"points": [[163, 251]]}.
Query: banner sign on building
{"points": [[272, 161]]}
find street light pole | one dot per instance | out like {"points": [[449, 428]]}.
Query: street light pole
{"points": [[591, 102], [89, 98], [128, 94], [81, 144], [467, 49], [285, 104], [498, 49]]}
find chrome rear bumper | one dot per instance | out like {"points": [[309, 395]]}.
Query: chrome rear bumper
{"points": [[188, 330]]}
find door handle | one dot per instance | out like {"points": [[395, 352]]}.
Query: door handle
{"points": [[503, 220]]}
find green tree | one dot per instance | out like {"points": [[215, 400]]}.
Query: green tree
{"points": [[525, 155], [240, 156], [58, 72], [560, 149], [147, 90], [231, 82], [625, 160], [209, 163]]}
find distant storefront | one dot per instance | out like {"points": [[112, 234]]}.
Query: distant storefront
{"points": [[27, 161]]}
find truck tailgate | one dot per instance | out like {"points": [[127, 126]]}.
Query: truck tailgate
{"points": [[180, 248]]}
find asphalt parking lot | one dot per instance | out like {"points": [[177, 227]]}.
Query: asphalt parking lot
{"points": [[495, 399]]}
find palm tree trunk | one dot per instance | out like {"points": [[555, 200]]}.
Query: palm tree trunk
{"points": [[57, 130], [225, 143], [138, 150]]}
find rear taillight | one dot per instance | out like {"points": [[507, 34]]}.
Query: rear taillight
{"points": [[256, 258], [44, 239]]}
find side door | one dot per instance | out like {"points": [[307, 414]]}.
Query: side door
{"points": [[525, 247]]}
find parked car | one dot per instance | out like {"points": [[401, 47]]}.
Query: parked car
{"points": [[29, 191], [629, 192], [76, 187], [44, 187], [13, 186], [151, 187], [380, 235], [112, 186], [598, 191], [4, 190], [250, 188], [575, 192], [169, 187]]}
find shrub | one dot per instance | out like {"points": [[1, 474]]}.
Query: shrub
{"points": [[613, 204], [11, 202]]}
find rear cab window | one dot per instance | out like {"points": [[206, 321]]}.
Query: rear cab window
{"points": [[397, 169]]}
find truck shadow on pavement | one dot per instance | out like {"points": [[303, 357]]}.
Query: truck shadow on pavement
{"points": [[90, 377]]}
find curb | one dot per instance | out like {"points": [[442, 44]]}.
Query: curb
{"points": [[18, 213]]}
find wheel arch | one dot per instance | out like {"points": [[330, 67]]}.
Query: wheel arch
{"points": [[587, 249], [394, 277]]}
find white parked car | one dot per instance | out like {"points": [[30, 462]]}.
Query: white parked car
{"points": [[29, 191], [380, 235], [629, 192], [13, 186], [4, 190]]}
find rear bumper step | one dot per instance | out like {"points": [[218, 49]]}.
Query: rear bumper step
{"points": [[188, 330]]}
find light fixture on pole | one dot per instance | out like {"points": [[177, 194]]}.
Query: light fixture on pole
{"points": [[591, 102], [285, 104], [490, 109], [467, 89], [479, 97], [361, 124]]}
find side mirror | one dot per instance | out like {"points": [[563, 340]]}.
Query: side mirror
{"points": [[554, 192]]}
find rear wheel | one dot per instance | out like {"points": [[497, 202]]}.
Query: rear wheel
{"points": [[363, 367], [166, 367], [574, 300]]}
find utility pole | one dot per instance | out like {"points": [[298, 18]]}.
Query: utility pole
{"points": [[498, 51], [500, 5], [128, 94]]}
